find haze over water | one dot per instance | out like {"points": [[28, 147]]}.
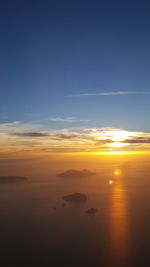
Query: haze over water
{"points": [[36, 228]]}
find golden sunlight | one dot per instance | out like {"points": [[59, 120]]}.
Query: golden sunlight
{"points": [[117, 144], [117, 172], [118, 136]]}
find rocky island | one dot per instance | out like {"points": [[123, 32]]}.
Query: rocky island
{"points": [[91, 211], [76, 173], [75, 197]]}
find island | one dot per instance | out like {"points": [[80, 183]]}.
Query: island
{"points": [[76, 173], [12, 179], [75, 197], [91, 211]]}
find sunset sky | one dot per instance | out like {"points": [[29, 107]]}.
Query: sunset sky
{"points": [[74, 76]]}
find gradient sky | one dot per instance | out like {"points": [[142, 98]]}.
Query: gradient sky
{"points": [[75, 64]]}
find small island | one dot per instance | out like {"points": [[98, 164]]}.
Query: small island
{"points": [[75, 197], [12, 179], [76, 173], [91, 211]]}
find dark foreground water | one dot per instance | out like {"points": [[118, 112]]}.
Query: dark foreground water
{"points": [[36, 229]]}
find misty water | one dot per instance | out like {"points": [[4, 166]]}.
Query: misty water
{"points": [[37, 229]]}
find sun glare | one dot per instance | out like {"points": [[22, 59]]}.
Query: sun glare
{"points": [[116, 172], [117, 144], [118, 136]]}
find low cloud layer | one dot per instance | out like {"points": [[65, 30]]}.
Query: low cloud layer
{"points": [[30, 134], [17, 136]]}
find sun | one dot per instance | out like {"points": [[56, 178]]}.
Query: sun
{"points": [[118, 138], [120, 135], [117, 144]]}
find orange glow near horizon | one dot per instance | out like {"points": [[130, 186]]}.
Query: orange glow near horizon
{"points": [[107, 141], [42, 154], [119, 152]]}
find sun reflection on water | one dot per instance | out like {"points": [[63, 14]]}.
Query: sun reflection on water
{"points": [[118, 220]]}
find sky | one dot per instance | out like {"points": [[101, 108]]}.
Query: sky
{"points": [[74, 67]]}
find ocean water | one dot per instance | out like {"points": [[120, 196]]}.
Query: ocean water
{"points": [[37, 229]]}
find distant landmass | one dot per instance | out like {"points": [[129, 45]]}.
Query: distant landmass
{"points": [[75, 197], [91, 211], [76, 173], [12, 179]]}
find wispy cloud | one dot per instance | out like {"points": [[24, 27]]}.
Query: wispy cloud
{"points": [[111, 93], [19, 127], [67, 119], [138, 140], [30, 134]]}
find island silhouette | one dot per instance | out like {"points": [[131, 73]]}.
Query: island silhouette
{"points": [[12, 179], [76, 173]]}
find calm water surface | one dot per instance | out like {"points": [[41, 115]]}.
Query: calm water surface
{"points": [[36, 229]]}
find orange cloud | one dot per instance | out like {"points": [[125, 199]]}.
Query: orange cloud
{"points": [[17, 136]]}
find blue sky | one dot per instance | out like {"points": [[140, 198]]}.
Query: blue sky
{"points": [[52, 49]]}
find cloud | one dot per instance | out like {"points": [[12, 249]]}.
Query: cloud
{"points": [[30, 134], [67, 119], [140, 140], [60, 135], [18, 136], [85, 140], [111, 93], [19, 127]]}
